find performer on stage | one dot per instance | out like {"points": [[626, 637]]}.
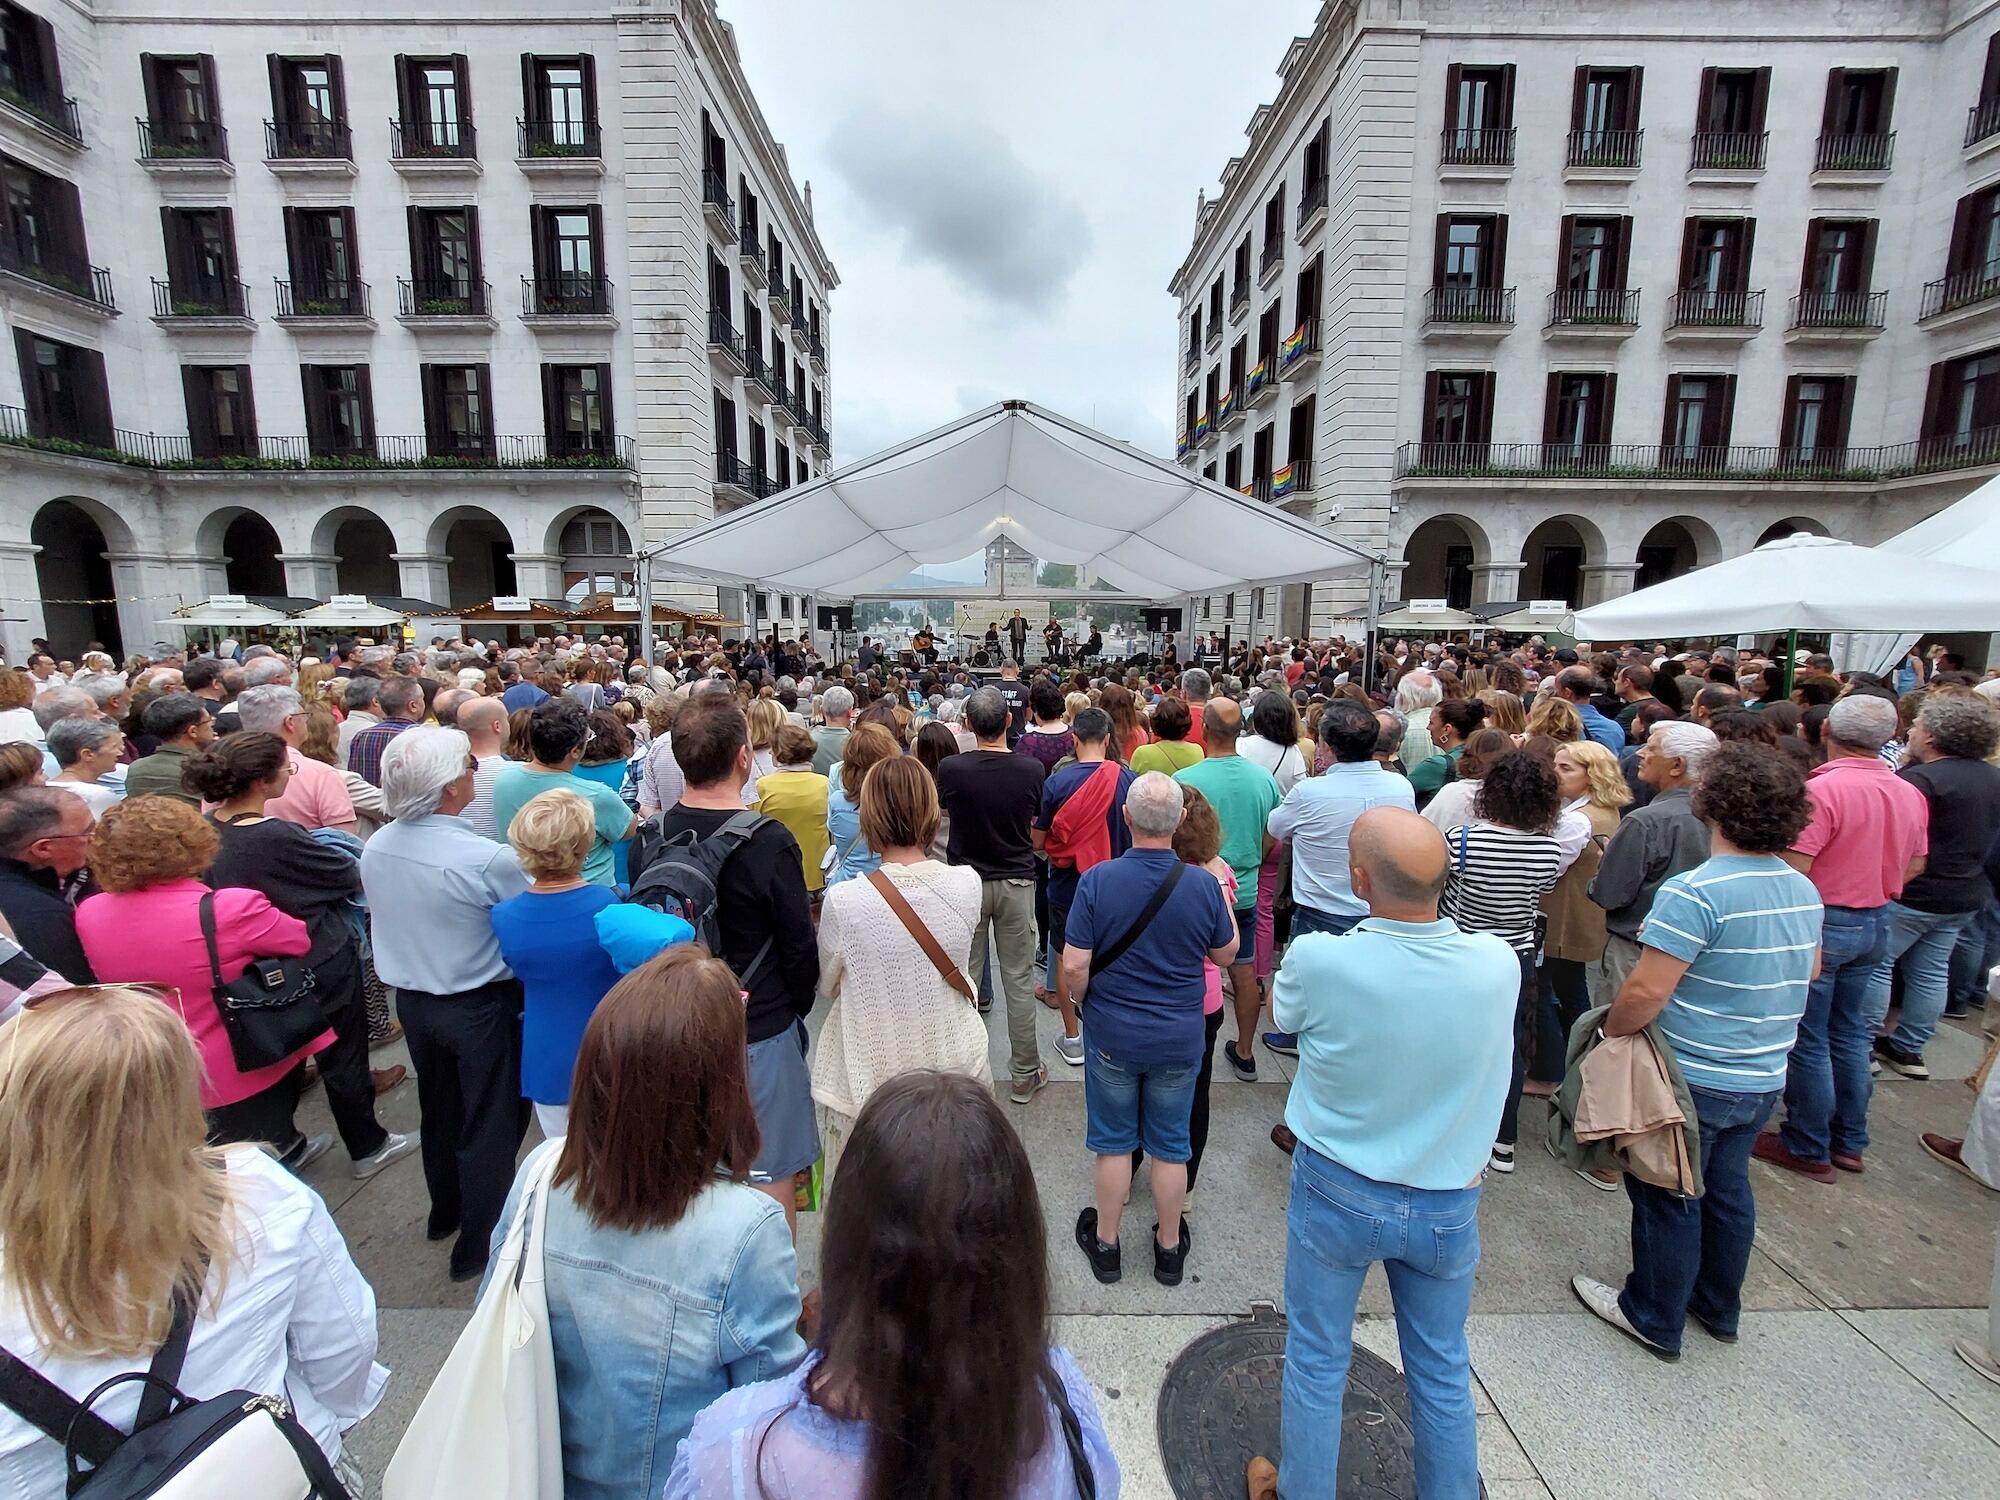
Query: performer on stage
{"points": [[1052, 640], [1017, 637], [924, 645], [1094, 646]]}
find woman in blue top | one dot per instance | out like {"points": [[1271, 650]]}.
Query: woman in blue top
{"points": [[671, 1281], [607, 756], [548, 936], [868, 745], [933, 1331]]}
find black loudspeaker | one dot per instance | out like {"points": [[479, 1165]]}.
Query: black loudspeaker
{"points": [[1168, 620], [836, 617]]}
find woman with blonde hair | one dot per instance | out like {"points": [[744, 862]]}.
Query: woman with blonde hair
{"points": [[548, 935], [1504, 711], [766, 719], [893, 1010], [113, 1212], [313, 677], [322, 743], [1556, 719], [868, 745]]}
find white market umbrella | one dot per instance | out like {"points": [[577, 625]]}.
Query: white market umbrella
{"points": [[1966, 529]]}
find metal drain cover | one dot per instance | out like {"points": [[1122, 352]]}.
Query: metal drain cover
{"points": [[1219, 1408]]}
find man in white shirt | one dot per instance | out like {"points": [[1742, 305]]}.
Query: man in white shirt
{"points": [[484, 722]]}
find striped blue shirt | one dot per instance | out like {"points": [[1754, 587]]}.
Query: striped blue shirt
{"points": [[1748, 926]]}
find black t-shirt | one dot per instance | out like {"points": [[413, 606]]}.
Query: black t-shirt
{"points": [[1015, 692], [762, 895], [1965, 818], [992, 797]]}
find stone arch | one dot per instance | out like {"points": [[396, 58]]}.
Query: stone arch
{"points": [[1790, 525], [1439, 557], [479, 548], [1676, 545], [363, 548], [1555, 554], [74, 574], [595, 546], [249, 546]]}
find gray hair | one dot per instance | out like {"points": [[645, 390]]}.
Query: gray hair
{"points": [[1195, 683], [267, 707], [1154, 805], [986, 713], [362, 690], [405, 663], [949, 710], [1690, 744], [1389, 729], [837, 703], [71, 739], [29, 813], [1965, 727], [63, 703], [266, 670], [1418, 689], [417, 768], [1862, 721], [103, 687]]}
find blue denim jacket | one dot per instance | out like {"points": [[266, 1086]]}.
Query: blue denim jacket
{"points": [[651, 1327]]}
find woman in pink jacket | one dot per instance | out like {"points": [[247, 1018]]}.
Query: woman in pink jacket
{"points": [[147, 856]]}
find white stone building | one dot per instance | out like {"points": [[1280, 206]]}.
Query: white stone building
{"points": [[1552, 301], [438, 301]]}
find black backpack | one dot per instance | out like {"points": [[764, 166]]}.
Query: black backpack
{"points": [[681, 875]]}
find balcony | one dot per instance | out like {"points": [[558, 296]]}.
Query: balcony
{"points": [[184, 148], [750, 255], [1854, 156], [1230, 409], [1193, 360], [1288, 483], [1239, 297], [1260, 386], [215, 307], [1272, 260], [781, 398], [1601, 155], [781, 303], [1312, 208], [1212, 340], [816, 435], [309, 148], [1477, 146], [1599, 462], [1592, 312], [559, 148], [71, 286], [168, 452], [761, 377], [816, 351], [336, 304], [718, 207], [1474, 311], [1698, 312], [1837, 316], [1183, 446], [1728, 154], [1204, 429], [737, 482], [1298, 355], [434, 148], [1982, 122], [47, 114], [444, 304], [568, 299], [1959, 297], [726, 353]]}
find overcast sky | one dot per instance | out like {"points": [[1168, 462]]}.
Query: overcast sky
{"points": [[1005, 189]]}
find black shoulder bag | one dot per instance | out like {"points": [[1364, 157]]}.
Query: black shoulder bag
{"points": [[1103, 958], [269, 1011]]}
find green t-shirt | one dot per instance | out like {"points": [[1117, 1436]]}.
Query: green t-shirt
{"points": [[1431, 774], [1244, 796], [518, 785], [1164, 756]]}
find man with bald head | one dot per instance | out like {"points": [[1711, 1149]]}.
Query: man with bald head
{"points": [[1406, 1035], [484, 722]]}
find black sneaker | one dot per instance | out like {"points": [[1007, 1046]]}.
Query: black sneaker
{"points": [[1957, 1010], [1244, 1068], [1167, 1263], [1909, 1064], [1103, 1258]]}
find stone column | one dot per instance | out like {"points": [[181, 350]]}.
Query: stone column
{"points": [[1496, 582], [1603, 581], [539, 575], [148, 592], [424, 575], [310, 575], [21, 618]]}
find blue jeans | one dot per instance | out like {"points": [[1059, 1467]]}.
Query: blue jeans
{"points": [[1691, 1254], [1977, 952], [1307, 919], [1826, 1080], [1922, 942], [1130, 1105], [1339, 1224]]}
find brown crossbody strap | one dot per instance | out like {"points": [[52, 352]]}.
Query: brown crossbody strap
{"points": [[914, 925]]}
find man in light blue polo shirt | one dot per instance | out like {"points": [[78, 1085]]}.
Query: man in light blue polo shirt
{"points": [[1578, 685], [1317, 816], [1726, 955]]}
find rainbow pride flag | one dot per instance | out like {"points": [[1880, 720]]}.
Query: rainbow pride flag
{"points": [[1226, 405], [1201, 428], [1181, 446], [1284, 481], [1259, 373], [1292, 347]]}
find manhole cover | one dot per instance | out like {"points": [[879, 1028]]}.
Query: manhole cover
{"points": [[1219, 1408]]}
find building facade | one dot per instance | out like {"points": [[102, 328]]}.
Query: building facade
{"points": [[1555, 302], [459, 303]]}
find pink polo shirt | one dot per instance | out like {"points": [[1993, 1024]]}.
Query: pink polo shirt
{"points": [[1867, 825], [316, 798]]}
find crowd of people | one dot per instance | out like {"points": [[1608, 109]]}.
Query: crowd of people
{"points": [[603, 897]]}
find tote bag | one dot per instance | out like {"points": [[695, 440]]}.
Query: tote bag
{"points": [[487, 1429]]}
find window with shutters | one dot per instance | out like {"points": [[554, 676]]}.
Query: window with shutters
{"points": [[183, 112], [222, 417], [1604, 117], [434, 95], [444, 262], [758, 456], [325, 263], [776, 258], [1214, 390], [1715, 274], [781, 469], [1729, 119], [1468, 269], [201, 262], [1697, 421], [1972, 265], [1274, 230], [41, 228], [1313, 173], [1576, 422], [1215, 310], [1854, 133], [569, 260], [1232, 468], [1984, 117], [1299, 436], [1193, 411], [1194, 340], [1270, 329], [559, 95], [1836, 280], [1239, 285], [31, 71], [1262, 455], [340, 420], [1458, 416], [1817, 409], [1593, 254], [1239, 366], [576, 402], [749, 232], [458, 410], [308, 109], [1962, 408], [64, 390], [1479, 115]]}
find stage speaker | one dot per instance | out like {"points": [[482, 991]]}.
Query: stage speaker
{"points": [[836, 617], [1168, 620]]}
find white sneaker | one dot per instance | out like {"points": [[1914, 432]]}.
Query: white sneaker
{"points": [[1503, 1158], [1070, 1050], [315, 1147], [394, 1149], [1603, 1301], [1969, 1351]]}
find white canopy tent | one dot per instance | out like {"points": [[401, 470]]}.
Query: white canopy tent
{"points": [[1967, 530], [1065, 493]]}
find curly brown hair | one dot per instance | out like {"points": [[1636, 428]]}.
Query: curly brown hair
{"points": [[147, 841], [1753, 796]]}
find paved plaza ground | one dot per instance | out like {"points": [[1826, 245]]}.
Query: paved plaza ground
{"points": [[1844, 1384]]}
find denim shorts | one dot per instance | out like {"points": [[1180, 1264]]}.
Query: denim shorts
{"points": [[781, 1093], [1127, 1106], [1246, 934]]}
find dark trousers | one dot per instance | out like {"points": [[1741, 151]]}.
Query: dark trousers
{"points": [[1524, 1013], [264, 1119], [1211, 1027], [466, 1049], [343, 1067], [1561, 996]]}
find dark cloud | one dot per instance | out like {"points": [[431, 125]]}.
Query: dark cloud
{"points": [[962, 198]]}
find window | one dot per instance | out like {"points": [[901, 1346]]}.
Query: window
{"points": [[1479, 114], [1208, 605], [444, 260], [1228, 606], [1214, 392], [1274, 228], [1232, 468], [1699, 408], [222, 417], [798, 294], [1208, 471], [1468, 266], [1592, 259], [1458, 413], [1974, 258], [30, 72], [41, 228], [782, 468], [1859, 101], [576, 409], [1576, 418], [1299, 440], [559, 95], [1729, 118], [1262, 448], [1312, 177], [569, 259], [1604, 117], [1270, 330], [758, 453], [753, 331], [1239, 294], [183, 111], [1215, 308], [777, 259], [1715, 254], [63, 388], [201, 261], [458, 414], [1963, 402], [325, 261], [725, 435], [1256, 604], [714, 151], [1239, 366], [804, 472], [1307, 300], [748, 233], [1816, 416], [434, 100], [308, 108], [1839, 272], [1194, 338], [798, 386], [1193, 413], [340, 416]]}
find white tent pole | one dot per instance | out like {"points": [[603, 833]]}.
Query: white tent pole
{"points": [[1376, 569], [644, 569]]}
